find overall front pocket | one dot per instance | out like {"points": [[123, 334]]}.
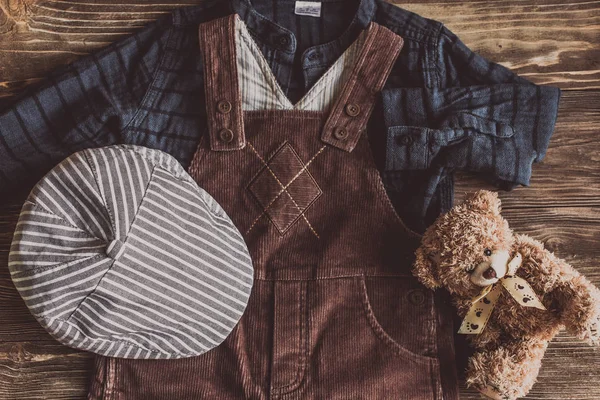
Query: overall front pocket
{"points": [[401, 316], [370, 345]]}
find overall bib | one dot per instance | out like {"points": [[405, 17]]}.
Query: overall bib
{"points": [[334, 312]]}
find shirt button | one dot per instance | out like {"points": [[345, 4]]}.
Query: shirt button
{"points": [[312, 56], [226, 135], [224, 106], [340, 133], [352, 109], [284, 40], [405, 140], [416, 297]]}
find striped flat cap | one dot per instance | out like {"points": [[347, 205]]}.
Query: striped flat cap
{"points": [[117, 251]]}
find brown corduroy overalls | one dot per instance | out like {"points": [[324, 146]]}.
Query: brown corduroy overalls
{"points": [[334, 312]]}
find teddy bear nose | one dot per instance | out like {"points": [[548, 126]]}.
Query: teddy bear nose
{"points": [[489, 273]]}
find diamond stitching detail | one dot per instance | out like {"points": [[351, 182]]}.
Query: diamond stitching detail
{"points": [[284, 188]]}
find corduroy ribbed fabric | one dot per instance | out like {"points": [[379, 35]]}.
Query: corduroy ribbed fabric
{"points": [[334, 312]]}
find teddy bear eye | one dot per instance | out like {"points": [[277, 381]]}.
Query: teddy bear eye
{"points": [[487, 252]]}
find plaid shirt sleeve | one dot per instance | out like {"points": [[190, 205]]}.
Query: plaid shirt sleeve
{"points": [[88, 103], [480, 117]]}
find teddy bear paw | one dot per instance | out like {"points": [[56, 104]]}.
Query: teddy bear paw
{"points": [[492, 392], [589, 331], [592, 333]]}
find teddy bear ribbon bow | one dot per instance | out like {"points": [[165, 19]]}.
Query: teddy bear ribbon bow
{"points": [[483, 304]]}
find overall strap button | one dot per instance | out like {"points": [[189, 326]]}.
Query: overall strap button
{"points": [[226, 135], [340, 133], [352, 109], [224, 106]]}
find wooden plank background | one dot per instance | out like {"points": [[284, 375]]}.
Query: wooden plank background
{"points": [[548, 41]]}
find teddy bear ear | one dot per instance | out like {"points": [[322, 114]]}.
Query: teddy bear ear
{"points": [[424, 269], [484, 200]]}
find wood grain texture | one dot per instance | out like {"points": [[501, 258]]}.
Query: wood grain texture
{"points": [[548, 41], [42, 370]]}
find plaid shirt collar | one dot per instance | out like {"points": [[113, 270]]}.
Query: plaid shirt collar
{"points": [[277, 37]]}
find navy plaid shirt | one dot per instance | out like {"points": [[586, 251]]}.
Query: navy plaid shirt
{"points": [[443, 107]]}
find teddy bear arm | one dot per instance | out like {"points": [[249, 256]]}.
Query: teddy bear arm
{"points": [[578, 302], [489, 338], [573, 297]]}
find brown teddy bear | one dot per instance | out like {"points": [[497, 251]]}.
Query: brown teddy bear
{"points": [[513, 295]]}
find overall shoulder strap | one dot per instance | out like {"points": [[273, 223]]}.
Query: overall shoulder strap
{"points": [[352, 109], [221, 87]]}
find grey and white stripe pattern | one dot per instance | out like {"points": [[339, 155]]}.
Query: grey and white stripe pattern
{"points": [[261, 91], [118, 251]]}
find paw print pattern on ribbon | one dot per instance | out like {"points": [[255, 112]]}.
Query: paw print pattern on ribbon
{"points": [[472, 327], [522, 292], [480, 312], [483, 304]]}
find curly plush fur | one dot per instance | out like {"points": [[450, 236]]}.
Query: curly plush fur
{"points": [[510, 348]]}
